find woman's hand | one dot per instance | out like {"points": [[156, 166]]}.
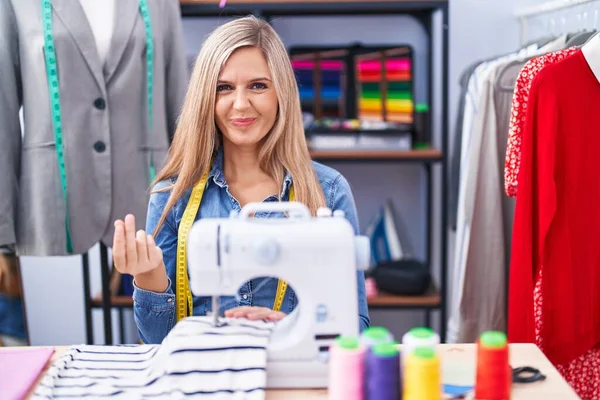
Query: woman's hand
{"points": [[255, 313], [136, 254]]}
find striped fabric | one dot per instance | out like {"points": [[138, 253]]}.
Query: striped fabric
{"points": [[196, 360]]}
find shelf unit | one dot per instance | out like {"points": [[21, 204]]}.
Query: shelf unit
{"points": [[423, 11], [425, 155], [431, 299]]}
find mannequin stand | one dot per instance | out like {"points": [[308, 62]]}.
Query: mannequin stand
{"points": [[104, 302]]}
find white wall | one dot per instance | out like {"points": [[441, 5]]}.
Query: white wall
{"points": [[478, 29]]}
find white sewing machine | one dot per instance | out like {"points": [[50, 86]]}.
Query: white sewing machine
{"points": [[317, 256]]}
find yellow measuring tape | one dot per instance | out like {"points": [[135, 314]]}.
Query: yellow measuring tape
{"points": [[184, 301]]}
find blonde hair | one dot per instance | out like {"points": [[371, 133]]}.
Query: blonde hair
{"points": [[196, 139]]}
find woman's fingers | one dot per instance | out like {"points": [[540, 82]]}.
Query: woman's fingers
{"points": [[276, 316], [155, 255], [120, 261], [254, 313], [134, 252], [131, 248], [142, 248], [237, 312], [260, 313]]}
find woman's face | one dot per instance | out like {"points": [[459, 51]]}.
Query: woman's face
{"points": [[246, 102]]}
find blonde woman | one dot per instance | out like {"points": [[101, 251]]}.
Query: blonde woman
{"points": [[241, 123]]}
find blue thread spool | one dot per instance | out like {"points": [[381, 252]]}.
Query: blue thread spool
{"points": [[383, 372]]}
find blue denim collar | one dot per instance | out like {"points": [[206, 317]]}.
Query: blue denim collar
{"points": [[218, 177]]}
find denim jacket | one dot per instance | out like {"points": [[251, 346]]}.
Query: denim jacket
{"points": [[155, 313]]}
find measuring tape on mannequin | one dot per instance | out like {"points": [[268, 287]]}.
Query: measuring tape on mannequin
{"points": [[54, 93], [184, 301]]}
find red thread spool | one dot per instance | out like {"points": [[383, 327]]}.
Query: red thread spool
{"points": [[494, 375]]}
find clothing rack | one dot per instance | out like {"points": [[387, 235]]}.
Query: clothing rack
{"points": [[545, 8]]}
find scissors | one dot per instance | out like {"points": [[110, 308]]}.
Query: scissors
{"points": [[527, 375]]}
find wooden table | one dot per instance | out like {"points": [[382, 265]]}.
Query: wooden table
{"points": [[453, 356]]}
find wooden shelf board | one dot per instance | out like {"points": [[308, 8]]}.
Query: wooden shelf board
{"points": [[377, 154], [385, 300], [431, 299], [119, 301]]}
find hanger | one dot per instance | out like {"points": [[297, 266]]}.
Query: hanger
{"points": [[579, 39], [497, 84], [542, 41], [575, 39]]}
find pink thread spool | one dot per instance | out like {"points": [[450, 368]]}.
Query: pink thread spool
{"points": [[346, 369]]}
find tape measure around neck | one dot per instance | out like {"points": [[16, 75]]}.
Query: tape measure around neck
{"points": [[55, 106], [183, 295]]}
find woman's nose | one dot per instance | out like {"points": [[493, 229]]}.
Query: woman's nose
{"points": [[241, 101]]}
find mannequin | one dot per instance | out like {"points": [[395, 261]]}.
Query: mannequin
{"points": [[591, 52], [113, 134], [108, 140]]}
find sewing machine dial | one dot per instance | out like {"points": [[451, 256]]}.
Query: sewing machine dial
{"points": [[265, 250]]}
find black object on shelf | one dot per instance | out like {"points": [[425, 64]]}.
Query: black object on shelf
{"points": [[406, 277], [422, 134]]}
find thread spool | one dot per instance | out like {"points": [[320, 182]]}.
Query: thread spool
{"points": [[419, 337], [422, 375], [383, 372], [494, 375], [374, 335], [346, 369]]}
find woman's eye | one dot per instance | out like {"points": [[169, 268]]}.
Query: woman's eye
{"points": [[221, 88], [259, 86]]}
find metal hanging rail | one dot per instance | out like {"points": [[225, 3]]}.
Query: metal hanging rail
{"points": [[550, 7], [545, 8]]}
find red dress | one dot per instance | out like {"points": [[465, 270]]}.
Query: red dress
{"points": [[557, 224], [519, 113]]}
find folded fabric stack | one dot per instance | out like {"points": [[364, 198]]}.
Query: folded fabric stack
{"points": [[196, 359]]}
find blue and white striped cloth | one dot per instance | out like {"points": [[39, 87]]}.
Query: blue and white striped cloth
{"points": [[196, 360]]}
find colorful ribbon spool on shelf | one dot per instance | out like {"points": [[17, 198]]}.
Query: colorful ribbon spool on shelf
{"points": [[494, 375], [330, 76], [398, 102]]}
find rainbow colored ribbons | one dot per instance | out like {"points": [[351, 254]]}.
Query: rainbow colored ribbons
{"points": [[399, 103], [330, 75]]}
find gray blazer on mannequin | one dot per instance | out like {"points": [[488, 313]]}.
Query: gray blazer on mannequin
{"points": [[104, 115]]}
